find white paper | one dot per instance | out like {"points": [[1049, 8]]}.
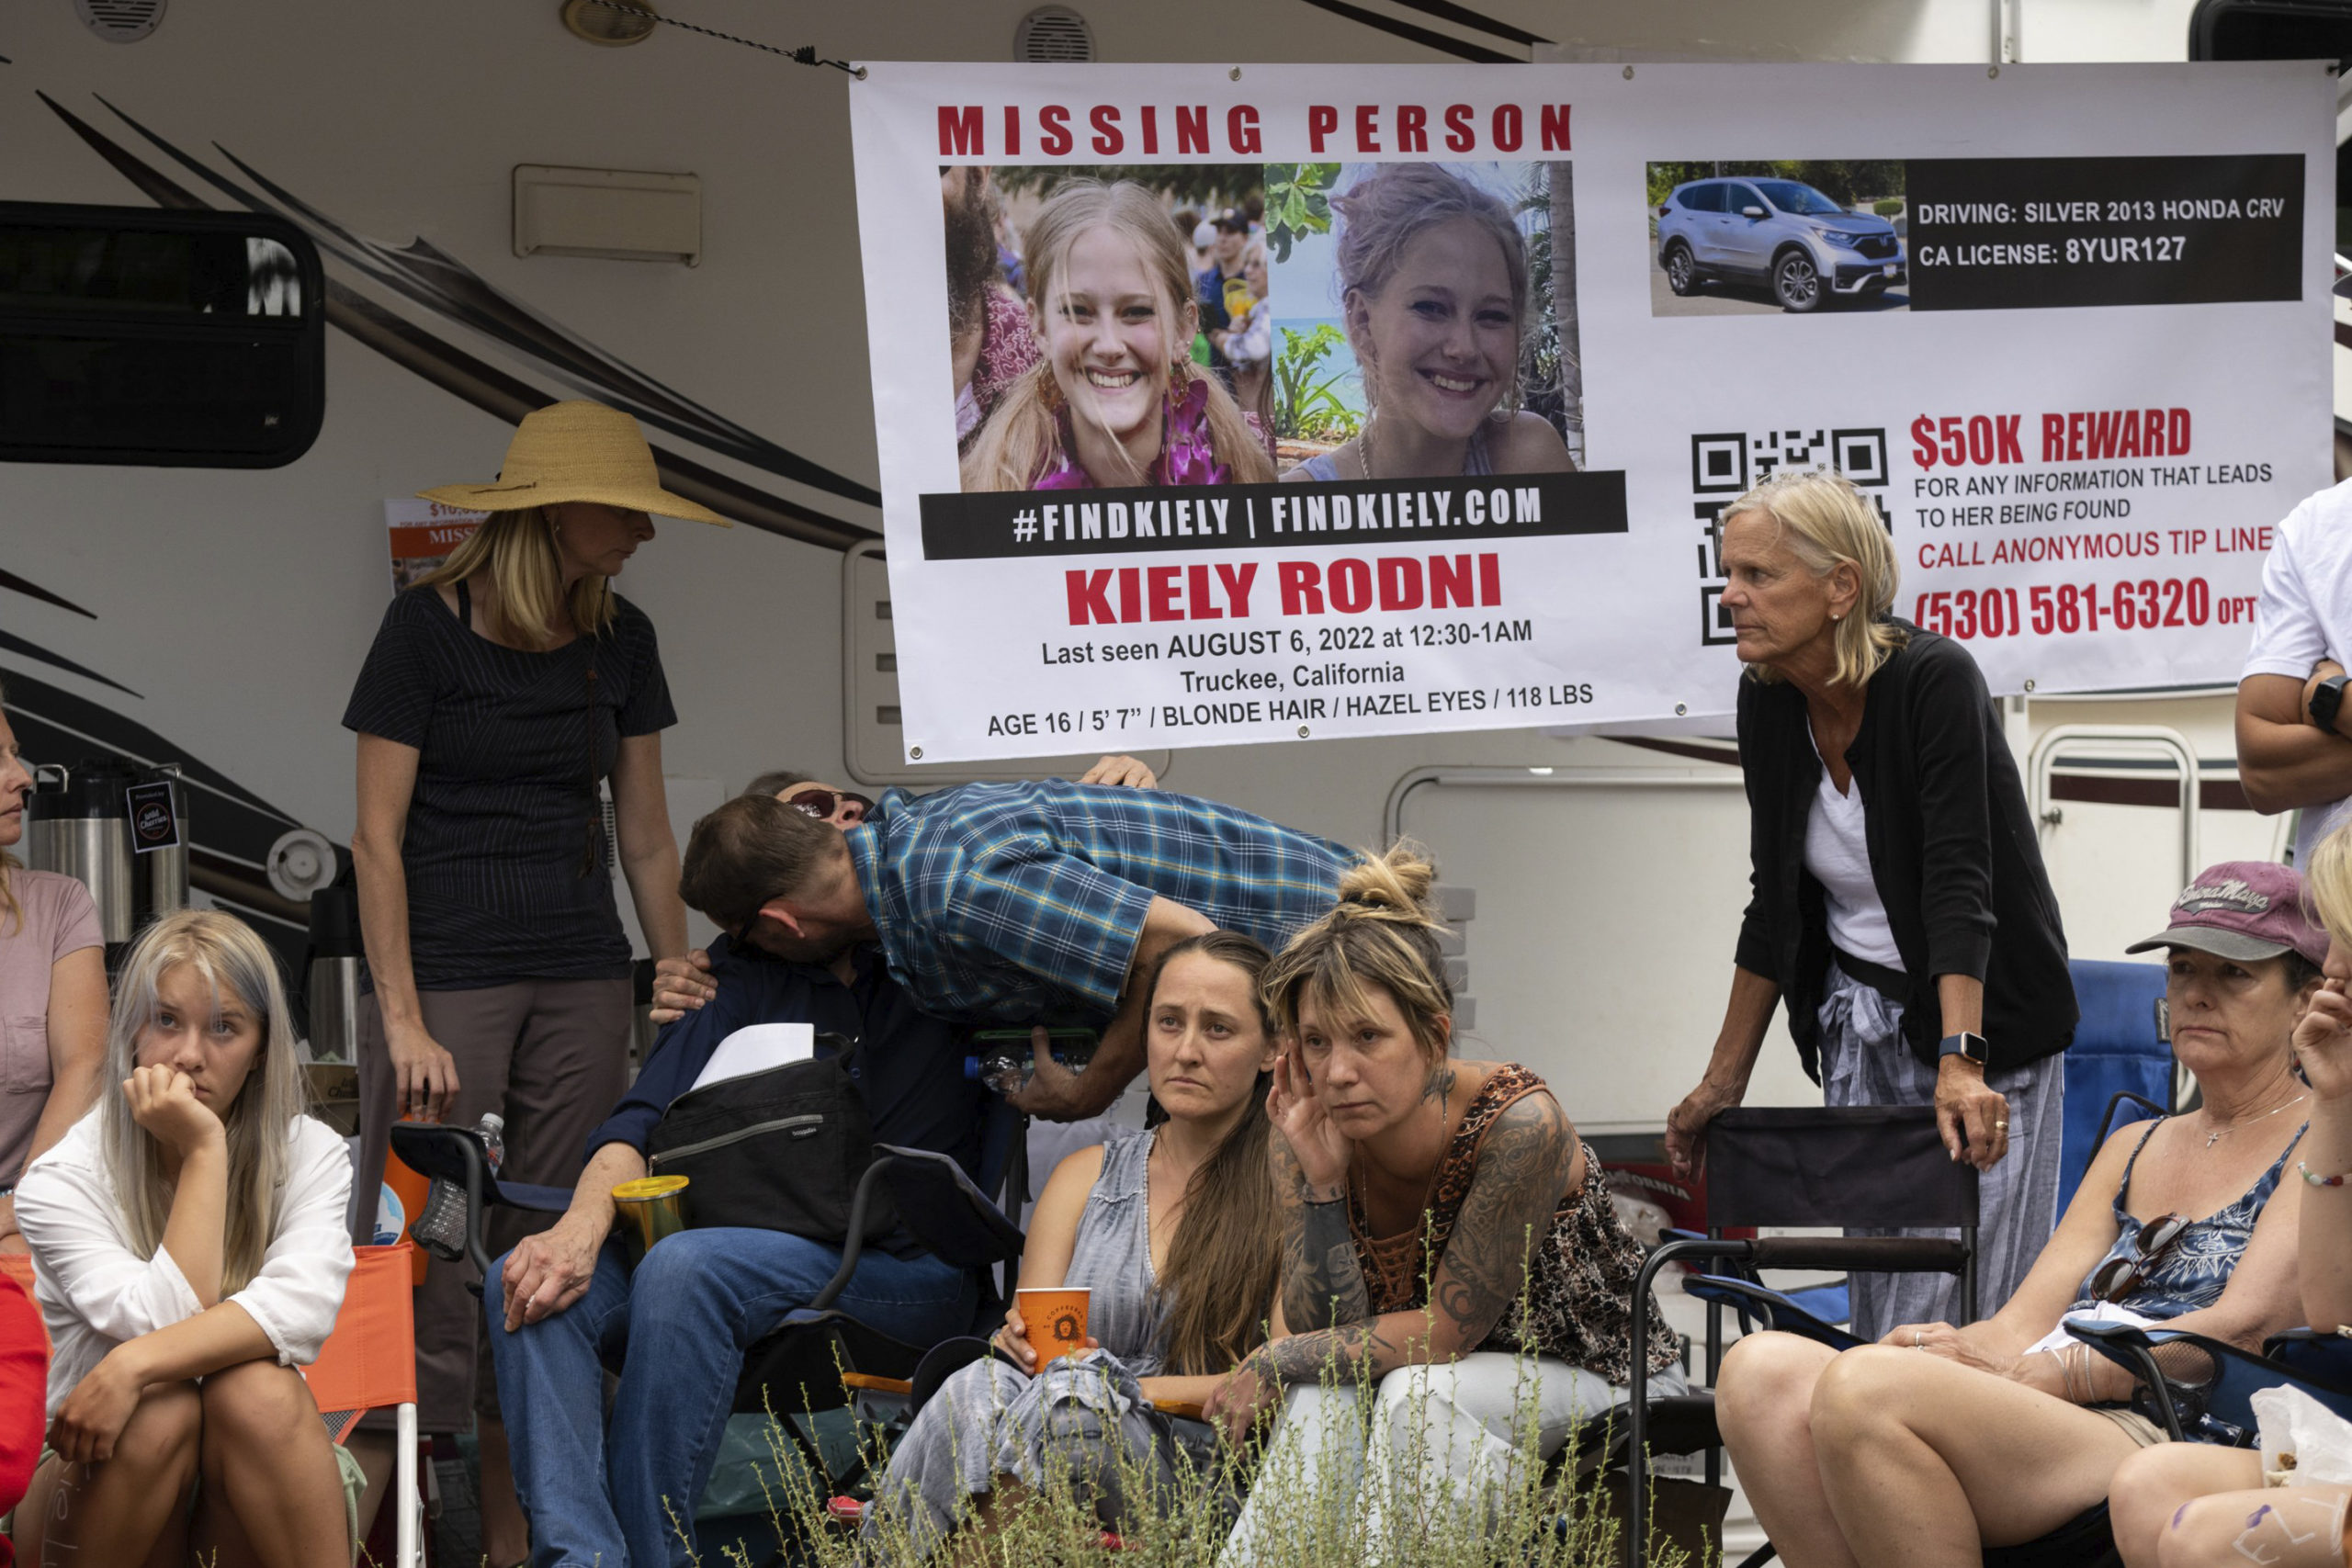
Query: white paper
{"points": [[2104, 1311], [757, 1047]]}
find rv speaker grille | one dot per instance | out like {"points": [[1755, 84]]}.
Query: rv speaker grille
{"points": [[120, 21], [1052, 33]]}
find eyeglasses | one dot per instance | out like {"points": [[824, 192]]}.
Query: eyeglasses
{"points": [[824, 803], [2119, 1275]]}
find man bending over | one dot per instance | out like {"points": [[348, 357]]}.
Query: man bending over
{"points": [[1013, 903]]}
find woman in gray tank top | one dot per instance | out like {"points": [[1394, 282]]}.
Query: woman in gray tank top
{"points": [[1171, 1234]]}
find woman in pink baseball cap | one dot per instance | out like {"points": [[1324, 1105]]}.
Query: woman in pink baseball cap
{"points": [[2190, 1503], [1937, 1442]]}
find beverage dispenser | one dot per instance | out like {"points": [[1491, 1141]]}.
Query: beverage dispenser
{"points": [[121, 828]]}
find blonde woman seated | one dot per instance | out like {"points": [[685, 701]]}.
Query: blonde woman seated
{"points": [[2183, 1505], [1448, 1245], [189, 1242], [1937, 1442], [1171, 1232]]}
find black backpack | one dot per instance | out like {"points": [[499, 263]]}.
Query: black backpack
{"points": [[779, 1150]]}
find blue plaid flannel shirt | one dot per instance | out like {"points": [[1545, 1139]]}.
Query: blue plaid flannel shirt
{"points": [[1007, 903]]}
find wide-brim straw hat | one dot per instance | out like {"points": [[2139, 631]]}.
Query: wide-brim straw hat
{"points": [[576, 451]]}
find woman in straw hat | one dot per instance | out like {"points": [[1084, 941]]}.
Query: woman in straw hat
{"points": [[502, 692]]}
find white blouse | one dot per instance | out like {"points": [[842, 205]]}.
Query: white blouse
{"points": [[96, 1293]]}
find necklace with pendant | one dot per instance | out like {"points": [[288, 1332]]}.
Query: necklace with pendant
{"points": [[2212, 1138]]}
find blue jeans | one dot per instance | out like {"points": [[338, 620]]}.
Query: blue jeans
{"points": [[676, 1331]]}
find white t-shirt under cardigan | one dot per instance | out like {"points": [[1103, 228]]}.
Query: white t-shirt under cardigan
{"points": [[97, 1293]]}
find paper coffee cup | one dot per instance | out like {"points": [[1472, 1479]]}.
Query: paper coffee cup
{"points": [[1055, 1320], [655, 1205]]}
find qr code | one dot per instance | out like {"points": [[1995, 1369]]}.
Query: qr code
{"points": [[1726, 465]]}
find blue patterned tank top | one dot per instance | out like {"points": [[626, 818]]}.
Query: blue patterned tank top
{"points": [[2192, 1273]]}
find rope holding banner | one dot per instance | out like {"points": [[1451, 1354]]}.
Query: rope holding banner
{"points": [[805, 55]]}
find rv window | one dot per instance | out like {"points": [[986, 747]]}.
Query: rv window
{"points": [[128, 335]]}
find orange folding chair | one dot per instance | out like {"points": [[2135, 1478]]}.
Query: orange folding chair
{"points": [[369, 1362]]}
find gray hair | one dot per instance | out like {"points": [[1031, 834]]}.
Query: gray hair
{"points": [[230, 956]]}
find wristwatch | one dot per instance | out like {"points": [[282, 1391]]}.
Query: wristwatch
{"points": [[2327, 698], [1972, 1046]]}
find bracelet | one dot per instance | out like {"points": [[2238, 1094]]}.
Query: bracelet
{"points": [[1306, 1196], [2305, 1171]]}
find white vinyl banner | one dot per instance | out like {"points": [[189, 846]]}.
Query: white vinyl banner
{"points": [[1241, 405]]}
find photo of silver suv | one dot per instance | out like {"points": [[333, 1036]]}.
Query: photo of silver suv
{"points": [[1783, 234]]}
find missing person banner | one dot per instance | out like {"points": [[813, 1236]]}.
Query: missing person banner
{"points": [[1224, 404]]}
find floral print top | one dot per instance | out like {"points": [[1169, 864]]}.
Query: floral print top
{"points": [[1578, 1304]]}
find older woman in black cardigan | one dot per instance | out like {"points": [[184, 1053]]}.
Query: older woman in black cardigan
{"points": [[1900, 906]]}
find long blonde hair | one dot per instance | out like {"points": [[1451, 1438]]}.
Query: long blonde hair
{"points": [[2327, 885], [517, 550], [1023, 434], [224, 950], [1825, 521], [1383, 932]]}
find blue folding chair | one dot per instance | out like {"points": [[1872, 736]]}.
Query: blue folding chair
{"points": [[2201, 1390], [2121, 1058]]}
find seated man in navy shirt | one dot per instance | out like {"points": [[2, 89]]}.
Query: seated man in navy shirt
{"points": [[564, 1304]]}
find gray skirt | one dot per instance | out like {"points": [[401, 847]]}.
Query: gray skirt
{"points": [[1866, 1061]]}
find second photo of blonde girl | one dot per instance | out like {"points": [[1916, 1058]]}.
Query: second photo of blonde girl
{"points": [[188, 1237], [1117, 401], [1435, 295]]}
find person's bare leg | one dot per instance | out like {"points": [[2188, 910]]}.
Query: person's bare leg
{"points": [[132, 1507], [2152, 1485], [273, 1493], [505, 1533], [1926, 1462], [1763, 1406], [2277, 1526]]}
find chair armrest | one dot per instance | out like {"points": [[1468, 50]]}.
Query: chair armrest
{"points": [[1777, 1311]]}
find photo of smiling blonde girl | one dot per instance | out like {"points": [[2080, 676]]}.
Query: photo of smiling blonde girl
{"points": [[1117, 400], [1435, 295]]}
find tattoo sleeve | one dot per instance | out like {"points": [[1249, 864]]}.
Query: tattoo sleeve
{"points": [[1322, 1285], [1523, 1168], [1360, 1352]]}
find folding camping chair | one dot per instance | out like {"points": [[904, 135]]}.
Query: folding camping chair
{"points": [[2201, 1390], [369, 1362], [797, 1368], [1811, 1165]]}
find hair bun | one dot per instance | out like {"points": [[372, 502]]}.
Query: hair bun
{"points": [[1391, 886]]}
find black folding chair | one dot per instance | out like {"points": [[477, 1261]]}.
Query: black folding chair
{"points": [[797, 1368], [1875, 1167]]}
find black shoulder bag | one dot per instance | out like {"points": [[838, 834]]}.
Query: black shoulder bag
{"points": [[779, 1150]]}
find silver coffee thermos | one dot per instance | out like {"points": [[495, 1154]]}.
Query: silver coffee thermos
{"points": [[79, 821]]}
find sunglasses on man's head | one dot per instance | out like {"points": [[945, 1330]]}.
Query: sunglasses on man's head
{"points": [[2119, 1277], [823, 804]]}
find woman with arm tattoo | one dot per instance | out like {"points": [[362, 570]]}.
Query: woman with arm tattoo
{"points": [[1448, 1242]]}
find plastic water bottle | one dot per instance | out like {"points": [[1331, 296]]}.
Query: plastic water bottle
{"points": [[444, 1227], [1008, 1070]]}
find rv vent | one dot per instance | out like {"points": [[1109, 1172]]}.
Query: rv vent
{"points": [[127, 21], [610, 24], [1052, 33]]}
